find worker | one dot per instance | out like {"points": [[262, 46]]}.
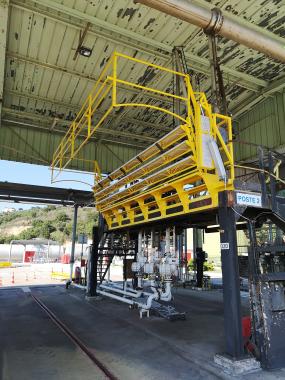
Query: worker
{"points": [[200, 259]]}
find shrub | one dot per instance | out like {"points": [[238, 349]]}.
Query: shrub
{"points": [[208, 266]]}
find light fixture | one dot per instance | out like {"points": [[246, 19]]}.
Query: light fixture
{"points": [[84, 51]]}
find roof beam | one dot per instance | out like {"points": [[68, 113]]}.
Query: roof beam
{"points": [[76, 108], [4, 8], [49, 121], [197, 63], [74, 73], [19, 123], [249, 102]]}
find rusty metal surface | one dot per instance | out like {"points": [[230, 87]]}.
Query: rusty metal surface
{"points": [[44, 86]]}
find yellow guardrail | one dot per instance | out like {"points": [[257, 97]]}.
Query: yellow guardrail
{"points": [[89, 118]]}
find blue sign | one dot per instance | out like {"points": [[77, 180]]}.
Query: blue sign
{"points": [[249, 199]]}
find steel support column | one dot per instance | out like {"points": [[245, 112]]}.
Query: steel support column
{"points": [[231, 292], [92, 265], [72, 253], [197, 240]]}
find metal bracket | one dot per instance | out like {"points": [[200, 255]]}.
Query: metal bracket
{"points": [[216, 22]]}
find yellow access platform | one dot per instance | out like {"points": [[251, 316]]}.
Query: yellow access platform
{"points": [[181, 173]]}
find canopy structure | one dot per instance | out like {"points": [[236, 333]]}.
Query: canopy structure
{"points": [[23, 193], [35, 242]]}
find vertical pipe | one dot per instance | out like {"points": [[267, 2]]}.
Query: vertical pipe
{"points": [[167, 240], [140, 243], [261, 176], [272, 181], [231, 291], [213, 62], [174, 240], [140, 238], [72, 253]]}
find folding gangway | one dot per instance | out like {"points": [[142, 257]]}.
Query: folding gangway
{"points": [[180, 174]]}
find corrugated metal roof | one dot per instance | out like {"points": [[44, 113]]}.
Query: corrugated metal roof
{"points": [[44, 86], [263, 127]]}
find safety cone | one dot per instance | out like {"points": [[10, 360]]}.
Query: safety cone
{"points": [[13, 278]]}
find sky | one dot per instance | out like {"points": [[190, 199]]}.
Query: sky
{"points": [[38, 175]]}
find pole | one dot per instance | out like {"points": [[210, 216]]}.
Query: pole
{"points": [[81, 256], [72, 253], [10, 251], [223, 24], [231, 292], [48, 252]]}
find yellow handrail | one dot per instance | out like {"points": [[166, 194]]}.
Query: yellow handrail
{"points": [[72, 142]]}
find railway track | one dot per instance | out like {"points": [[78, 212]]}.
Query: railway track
{"points": [[74, 338]]}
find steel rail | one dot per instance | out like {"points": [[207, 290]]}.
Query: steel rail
{"points": [[74, 338]]}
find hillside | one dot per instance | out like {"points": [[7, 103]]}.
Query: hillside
{"points": [[48, 222]]}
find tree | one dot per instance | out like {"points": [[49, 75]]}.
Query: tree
{"points": [[62, 217]]}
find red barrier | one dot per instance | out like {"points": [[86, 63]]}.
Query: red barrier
{"points": [[29, 256], [65, 259], [246, 327]]}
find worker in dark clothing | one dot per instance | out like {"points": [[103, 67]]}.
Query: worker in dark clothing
{"points": [[200, 259]]}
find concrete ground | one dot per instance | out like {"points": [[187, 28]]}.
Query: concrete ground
{"points": [[33, 348]]}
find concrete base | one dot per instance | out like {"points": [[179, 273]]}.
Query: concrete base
{"points": [[236, 367]]}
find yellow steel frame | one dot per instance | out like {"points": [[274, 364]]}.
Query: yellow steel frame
{"points": [[165, 187]]}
